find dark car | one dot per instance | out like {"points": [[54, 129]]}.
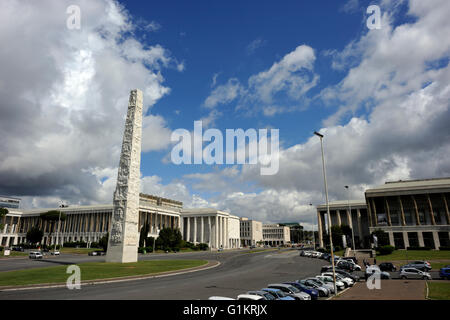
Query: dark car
{"points": [[444, 273], [354, 277], [97, 253], [312, 292], [421, 265], [387, 266], [345, 265], [325, 256]]}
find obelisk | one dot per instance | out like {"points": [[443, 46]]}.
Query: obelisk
{"points": [[124, 234]]}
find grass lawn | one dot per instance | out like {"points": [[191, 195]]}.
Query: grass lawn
{"points": [[13, 254], [78, 250], [94, 270], [439, 290], [415, 255]]}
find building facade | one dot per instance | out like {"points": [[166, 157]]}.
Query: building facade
{"points": [[219, 229], [275, 235], [87, 223], [414, 213], [251, 232], [340, 215]]}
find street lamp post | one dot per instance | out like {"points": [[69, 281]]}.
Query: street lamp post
{"points": [[351, 220], [312, 226], [328, 209], [57, 230]]}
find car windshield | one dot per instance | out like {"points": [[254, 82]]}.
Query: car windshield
{"points": [[269, 296], [294, 289]]}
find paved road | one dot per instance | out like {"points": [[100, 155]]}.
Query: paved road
{"points": [[238, 273]]}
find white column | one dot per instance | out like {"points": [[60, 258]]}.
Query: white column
{"points": [[226, 233], [202, 230], [391, 238], [188, 230], [224, 236], [216, 232], [420, 237], [195, 229], [209, 232], [436, 240]]}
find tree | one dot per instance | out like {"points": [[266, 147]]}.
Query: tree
{"points": [[34, 235], [103, 242], [337, 233], [3, 212], [52, 217], [143, 235], [169, 239], [382, 237]]}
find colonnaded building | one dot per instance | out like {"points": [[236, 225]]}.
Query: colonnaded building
{"points": [[219, 229], [414, 213]]}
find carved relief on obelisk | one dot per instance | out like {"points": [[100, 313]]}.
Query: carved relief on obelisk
{"points": [[124, 234]]}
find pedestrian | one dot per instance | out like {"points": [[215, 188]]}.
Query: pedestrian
{"points": [[375, 260]]}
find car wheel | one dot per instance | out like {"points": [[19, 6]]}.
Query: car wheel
{"points": [[403, 277]]}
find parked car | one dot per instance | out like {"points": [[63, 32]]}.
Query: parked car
{"points": [[376, 269], [356, 267], [352, 259], [264, 294], [35, 255], [323, 292], [354, 277], [97, 253], [311, 291], [278, 294], [413, 273], [345, 265], [327, 279], [20, 249], [291, 290], [220, 298], [387, 266], [249, 297], [421, 265], [347, 281], [330, 287], [326, 256], [55, 253], [444, 273]]}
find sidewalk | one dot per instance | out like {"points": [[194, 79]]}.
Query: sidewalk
{"points": [[390, 290]]}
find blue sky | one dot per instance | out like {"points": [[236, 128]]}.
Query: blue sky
{"points": [[214, 38], [378, 95]]}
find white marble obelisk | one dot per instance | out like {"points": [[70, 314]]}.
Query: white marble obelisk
{"points": [[124, 234]]}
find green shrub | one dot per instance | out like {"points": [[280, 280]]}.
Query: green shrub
{"points": [[149, 249], [418, 248], [1, 249], [384, 250], [444, 248], [203, 246], [323, 250]]}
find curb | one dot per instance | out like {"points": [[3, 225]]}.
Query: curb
{"points": [[335, 296], [209, 265]]}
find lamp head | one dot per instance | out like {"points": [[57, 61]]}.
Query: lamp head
{"points": [[318, 134]]}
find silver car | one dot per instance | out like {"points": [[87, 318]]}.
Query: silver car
{"points": [[323, 291], [413, 273], [330, 287], [290, 290]]}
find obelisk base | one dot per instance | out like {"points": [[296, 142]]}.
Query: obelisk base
{"points": [[122, 254]]}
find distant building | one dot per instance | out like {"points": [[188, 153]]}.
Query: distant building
{"points": [[219, 229], [295, 230], [9, 202], [251, 232], [414, 213], [274, 234]]}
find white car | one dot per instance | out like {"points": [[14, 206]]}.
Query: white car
{"points": [[347, 281], [413, 273], [249, 297], [339, 284], [35, 255], [290, 290], [220, 298], [55, 253]]}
